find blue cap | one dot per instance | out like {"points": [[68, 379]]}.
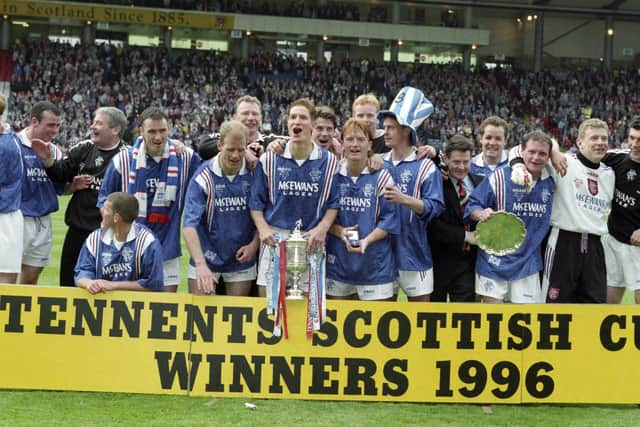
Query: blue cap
{"points": [[410, 107]]}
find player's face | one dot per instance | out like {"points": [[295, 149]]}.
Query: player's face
{"points": [[493, 140], [248, 113], [46, 128], [394, 134], [107, 215], [356, 145], [323, 131], [101, 134], [367, 113], [458, 163], [595, 144], [232, 153], [155, 134], [535, 156], [634, 144], [299, 124]]}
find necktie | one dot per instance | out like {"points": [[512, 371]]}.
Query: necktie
{"points": [[462, 193]]}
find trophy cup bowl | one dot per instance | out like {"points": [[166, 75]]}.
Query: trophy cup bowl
{"points": [[296, 260]]}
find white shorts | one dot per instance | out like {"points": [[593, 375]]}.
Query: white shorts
{"points": [[623, 263], [414, 283], [11, 241], [336, 288], [236, 276], [171, 270], [37, 241], [521, 291]]}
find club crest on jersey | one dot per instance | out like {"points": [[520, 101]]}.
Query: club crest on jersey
{"points": [[315, 174], [99, 161], [246, 187], [592, 184], [631, 175], [283, 172], [405, 176], [209, 255], [554, 293], [127, 254], [368, 190], [546, 194], [344, 188], [106, 257]]}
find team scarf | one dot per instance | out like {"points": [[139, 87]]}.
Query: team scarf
{"points": [[166, 188]]}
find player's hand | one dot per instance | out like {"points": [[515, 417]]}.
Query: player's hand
{"points": [[470, 238], [393, 194], [80, 182], [205, 281], [635, 238], [247, 252], [426, 151], [482, 214], [315, 238], [375, 163], [41, 148], [251, 160], [559, 162], [521, 176], [267, 236], [277, 146], [336, 147], [179, 146]]}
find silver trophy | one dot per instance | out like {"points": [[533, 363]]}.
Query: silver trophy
{"points": [[296, 260]]}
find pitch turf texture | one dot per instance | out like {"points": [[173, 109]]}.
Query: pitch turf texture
{"points": [[82, 408]]}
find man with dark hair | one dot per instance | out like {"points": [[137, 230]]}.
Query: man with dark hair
{"points": [[84, 166], [621, 244], [453, 241], [297, 185], [39, 194], [515, 277], [324, 130], [122, 255], [157, 175], [493, 134]]}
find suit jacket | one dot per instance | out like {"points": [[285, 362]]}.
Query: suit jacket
{"points": [[446, 236]]}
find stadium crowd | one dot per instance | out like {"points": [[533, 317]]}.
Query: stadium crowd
{"points": [[206, 83], [370, 183]]}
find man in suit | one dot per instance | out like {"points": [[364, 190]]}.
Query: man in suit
{"points": [[453, 245]]}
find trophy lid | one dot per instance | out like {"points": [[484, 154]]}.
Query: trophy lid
{"points": [[297, 236]]}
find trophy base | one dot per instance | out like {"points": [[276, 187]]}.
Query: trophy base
{"points": [[295, 294]]}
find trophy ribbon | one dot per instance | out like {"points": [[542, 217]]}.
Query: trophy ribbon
{"points": [[316, 304], [275, 298]]}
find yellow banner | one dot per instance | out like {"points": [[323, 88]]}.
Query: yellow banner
{"points": [[66, 339], [117, 14]]}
